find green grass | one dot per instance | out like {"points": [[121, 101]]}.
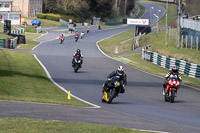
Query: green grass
{"points": [[46, 22], [29, 41], [4, 36], [142, 11], [109, 45], [158, 45], [24, 125], [123, 41], [22, 78]]}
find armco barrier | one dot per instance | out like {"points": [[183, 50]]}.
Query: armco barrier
{"points": [[13, 42], [186, 68], [18, 31], [1, 43]]}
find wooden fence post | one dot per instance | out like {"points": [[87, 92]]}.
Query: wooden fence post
{"points": [[186, 40], [197, 43], [181, 41], [191, 41]]}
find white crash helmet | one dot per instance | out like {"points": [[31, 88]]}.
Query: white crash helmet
{"points": [[120, 70]]}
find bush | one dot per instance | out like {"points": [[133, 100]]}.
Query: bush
{"points": [[41, 16], [54, 17]]}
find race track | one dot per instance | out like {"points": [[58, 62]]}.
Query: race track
{"points": [[142, 106]]}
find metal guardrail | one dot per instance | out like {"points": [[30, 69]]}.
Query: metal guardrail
{"points": [[1, 43], [8, 43], [13, 42], [18, 31], [186, 68]]}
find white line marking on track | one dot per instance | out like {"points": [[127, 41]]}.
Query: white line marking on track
{"points": [[49, 76]]}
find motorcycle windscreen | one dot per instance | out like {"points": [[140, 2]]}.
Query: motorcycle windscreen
{"points": [[77, 58]]}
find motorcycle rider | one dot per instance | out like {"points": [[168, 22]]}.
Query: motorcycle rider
{"points": [[76, 35], [173, 72], [88, 29], [62, 36], [82, 34], [119, 72], [77, 53]]}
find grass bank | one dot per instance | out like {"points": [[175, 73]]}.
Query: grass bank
{"points": [[22, 78], [110, 45], [142, 11], [24, 125], [120, 43], [30, 43], [45, 22]]}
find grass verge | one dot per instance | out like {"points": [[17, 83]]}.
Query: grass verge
{"points": [[142, 10], [171, 50], [24, 125], [22, 78], [119, 43], [29, 41], [45, 22], [109, 45]]}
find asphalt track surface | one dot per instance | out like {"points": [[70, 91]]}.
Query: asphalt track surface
{"points": [[142, 106]]}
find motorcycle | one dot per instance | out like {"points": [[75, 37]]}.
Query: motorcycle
{"points": [[76, 38], [61, 40], [88, 30], [171, 89], [113, 91], [82, 35], [77, 63]]}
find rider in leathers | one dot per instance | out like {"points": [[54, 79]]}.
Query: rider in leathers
{"points": [[119, 72], [172, 72], [77, 53]]}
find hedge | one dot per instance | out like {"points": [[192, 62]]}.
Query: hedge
{"points": [[55, 17]]}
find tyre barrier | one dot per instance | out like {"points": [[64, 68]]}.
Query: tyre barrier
{"points": [[189, 69]]}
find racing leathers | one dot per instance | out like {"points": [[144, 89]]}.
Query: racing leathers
{"points": [[123, 78]]}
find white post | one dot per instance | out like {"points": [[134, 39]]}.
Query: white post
{"points": [[179, 9], [158, 20], [166, 24], [151, 15]]}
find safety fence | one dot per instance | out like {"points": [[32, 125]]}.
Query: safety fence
{"points": [[190, 24], [18, 31], [1, 43], [186, 68], [8, 43]]}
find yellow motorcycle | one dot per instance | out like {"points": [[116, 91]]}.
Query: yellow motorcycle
{"points": [[112, 89]]}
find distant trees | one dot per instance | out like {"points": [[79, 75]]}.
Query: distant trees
{"points": [[192, 7], [88, 8]]}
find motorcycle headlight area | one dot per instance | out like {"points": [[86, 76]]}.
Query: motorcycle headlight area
{"points": [[170, 82], [177, 83], [117, 84], [79, 61]]}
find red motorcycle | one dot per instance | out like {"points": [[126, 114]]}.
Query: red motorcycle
{"points": [[171, 89], [61, 39]]}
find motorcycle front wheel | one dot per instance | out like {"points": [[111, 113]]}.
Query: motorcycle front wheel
{"points": [[172, 96], [112, 95]]}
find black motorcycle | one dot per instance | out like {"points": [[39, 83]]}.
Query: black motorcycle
{"points": [[76, 63], [112, 89]]}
